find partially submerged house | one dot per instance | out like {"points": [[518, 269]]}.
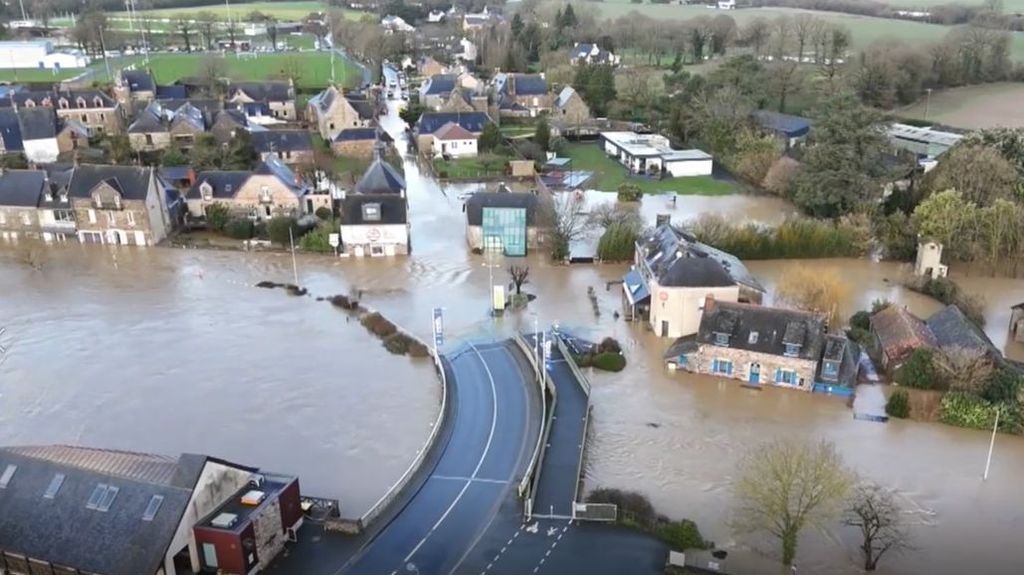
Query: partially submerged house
{"points": [[502, 222], [272, 189], [757, 345], [120, 205], [374, 218], [897, 333], [672, 276], [431, 122]]}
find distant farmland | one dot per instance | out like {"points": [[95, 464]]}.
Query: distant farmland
{"points": [[312, 68], [281, 10], [971, 107]]}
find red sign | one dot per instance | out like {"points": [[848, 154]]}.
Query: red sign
{"points": [[663, 296], [373, 234]]}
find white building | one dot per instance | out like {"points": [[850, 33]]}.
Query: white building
{"points": [[651, 154], [454, 141], [926, 143], [396, 24], [726, 4], [468, 51], [374, 219], [39, 54]]}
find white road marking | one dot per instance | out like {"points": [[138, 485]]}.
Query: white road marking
{"points": [[470, 479], [487, 448]]}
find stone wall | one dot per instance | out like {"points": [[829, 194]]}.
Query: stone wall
{"points": [[700, 362]]}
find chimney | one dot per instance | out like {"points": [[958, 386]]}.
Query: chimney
{"points": [[709, 303]]}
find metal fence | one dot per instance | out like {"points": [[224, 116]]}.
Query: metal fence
{"points": [[528, 485], [374, 512], [582, 379], [595, 512]]}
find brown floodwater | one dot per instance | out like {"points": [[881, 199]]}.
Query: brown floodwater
{"points": [[170, 350]]}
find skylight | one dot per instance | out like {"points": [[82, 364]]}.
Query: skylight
{"points": [[108, 498], [153, 507], [753, 337], [102, 497], [54, 487], [97, 495]]}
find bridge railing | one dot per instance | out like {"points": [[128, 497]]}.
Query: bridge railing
{"points": [[377, 508], [595, 512], [528, 485], [585, 385], [582, 379]]}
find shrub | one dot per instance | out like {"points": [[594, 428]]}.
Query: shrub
{"points": [[278, 228], [794, 238], [609, 361], [378, 324], [920, 372], [609, 344], [966, 410], [418, 349], [324, 213], [681, 535], [949, 293], [861, 320], [859, 335], [344, 302], [634, 508], [617, 243], [319, 240], [898, 404], [397, 343], [1005, 386], [217, 216], [630, 193], [239, 229]]}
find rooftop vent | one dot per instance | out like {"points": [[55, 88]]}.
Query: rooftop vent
{"points": [[224, 521], [253, 497]]}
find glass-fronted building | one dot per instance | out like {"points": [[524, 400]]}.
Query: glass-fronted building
{"points": [[504, 230]]}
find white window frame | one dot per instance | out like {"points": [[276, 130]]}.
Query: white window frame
{"points": [[131, 218], [92, 216]]}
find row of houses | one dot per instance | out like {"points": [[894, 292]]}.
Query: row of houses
{"points": [[68, 510]]}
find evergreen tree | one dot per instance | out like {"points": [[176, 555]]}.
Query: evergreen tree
{"points": [[517, 25], [241, 154], [542, 135]]}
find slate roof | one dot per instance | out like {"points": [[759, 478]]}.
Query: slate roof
{"points": [[476, 203], [790, 126], [431, 122], [263, 91], [171, 92], [677, 259], [138, 80], [952, 328], [322, 101], [439, 84], [900, 332], [564, 96], [763, 329], [63, 531], [191, 115], [393, 210], [380, 178], [453, 131], [275, 167], [149, 119], [847, 353], [38, 123], [10, 130], [233, 116], [133, 182], [21, 188], [363, 107], [527, 85], [225, 183], [356, 134], [282, 141]]}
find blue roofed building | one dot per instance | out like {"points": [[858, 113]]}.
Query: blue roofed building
{"points": [[431, 122], [584, 53], [436, 90], [790, 129], [521, 95]]}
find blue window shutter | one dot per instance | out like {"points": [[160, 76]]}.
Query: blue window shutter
{"points": [[730, 368], [778, 374]]}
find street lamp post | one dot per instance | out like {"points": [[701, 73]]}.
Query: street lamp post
{"points": [[490, 282]]}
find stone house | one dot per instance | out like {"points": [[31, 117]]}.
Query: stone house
{"points": [[570, 109], [435, 91], [270, 190], [503, 222], [20, 191], [463, 100], [673, 275], [278, 96], [357, 142], [73, 135], [333, 111], [56, 213], [521, 95], [120, 205], [374, 218], [896, 333], [754, 344], [428, 66], [158, 127], [227, 123], [290, 146], [97, 111], [134, 89]]}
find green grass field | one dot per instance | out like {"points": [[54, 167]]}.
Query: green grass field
{"points": [[608, 174], [314, 68], [31, 75], [865, 30], [281, 10], [483, 166], [971, 107]]}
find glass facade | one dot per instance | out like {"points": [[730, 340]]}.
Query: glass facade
{"points": [[504, 230]]}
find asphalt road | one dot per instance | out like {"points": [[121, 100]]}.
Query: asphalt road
{"points": [[486, 450], [559, 474]]}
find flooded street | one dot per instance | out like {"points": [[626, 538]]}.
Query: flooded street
{"points": [[166, 350]]}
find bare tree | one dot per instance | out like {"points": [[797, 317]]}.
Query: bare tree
{"points": [[874, 511], [815, 289], [613, 213], [205, 22], [756, 35], [805, 28], [211, 69], [784, 78], [519, 275], [184, 28], [787, 485], [966, 369], [564, 215]]}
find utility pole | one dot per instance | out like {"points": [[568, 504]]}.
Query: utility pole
{"points": [[103, 47], [991, 445], [23, 15], [295, 266], [927, 102]]}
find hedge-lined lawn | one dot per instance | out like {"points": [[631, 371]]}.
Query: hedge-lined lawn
{"points": [[609, 174], [483, 166], [313, 68], [280, 10]]}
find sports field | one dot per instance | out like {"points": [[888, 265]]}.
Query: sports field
{"points": [[987, 106], [311, 69], [281, 10], [865, 30]]}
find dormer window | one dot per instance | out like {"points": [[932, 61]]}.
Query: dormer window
{"points": [[97, 102], [265, 195], [64, 197], [63, 103], [792, 350], [80, 102], [117, 202], [752, 339], [371, 212], [830, 370], [30, 103], [722, 339], [206, 190], [48, 196]]}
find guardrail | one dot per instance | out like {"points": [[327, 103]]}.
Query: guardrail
{"points": [[532, 358], [532, 476], [388, 497], [582, 379]]}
